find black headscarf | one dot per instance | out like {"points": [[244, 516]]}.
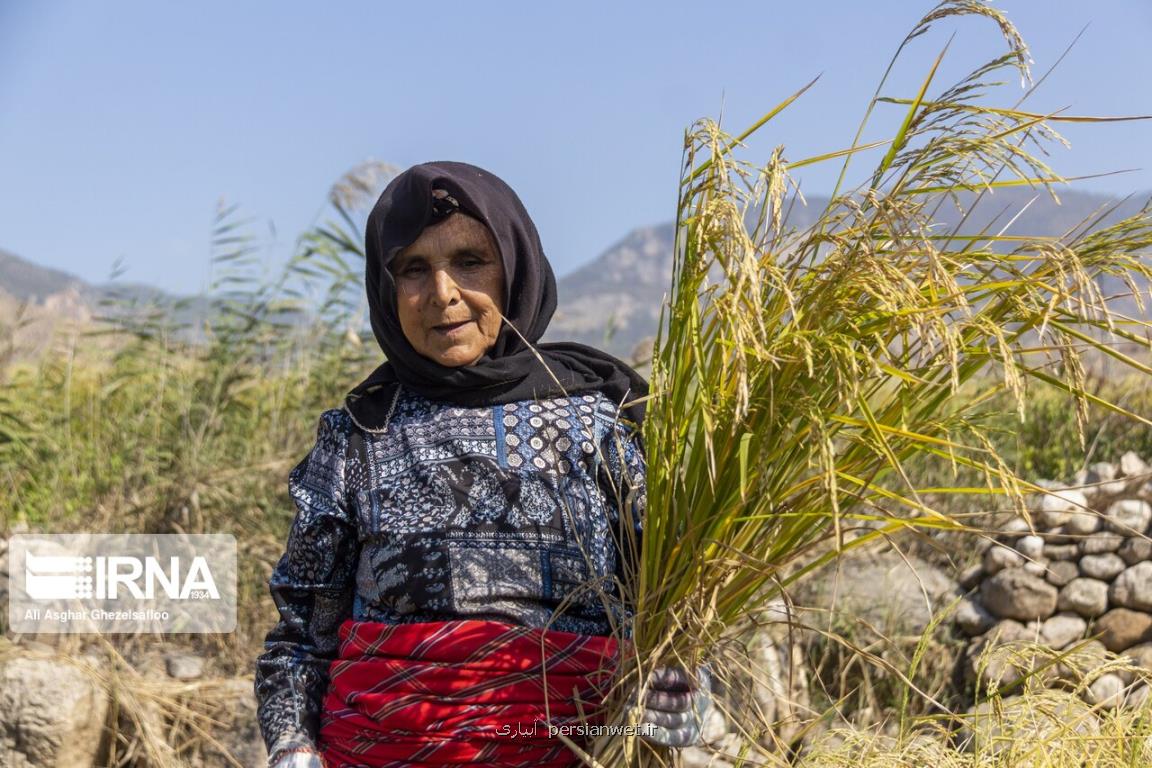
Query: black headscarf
{"points": [[510, 370]]}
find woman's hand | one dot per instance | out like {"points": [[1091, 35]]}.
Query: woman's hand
{"points": [[298, 758], [675, 707]]}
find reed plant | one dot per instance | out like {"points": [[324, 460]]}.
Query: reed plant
{"points": [[798, 373]]}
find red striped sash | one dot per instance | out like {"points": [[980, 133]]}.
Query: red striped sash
{"points": [[461, 693]]}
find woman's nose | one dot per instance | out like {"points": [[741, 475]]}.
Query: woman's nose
{"points": [[444, 290]]}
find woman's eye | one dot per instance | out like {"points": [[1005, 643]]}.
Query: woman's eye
{"points": [[472, 261]]}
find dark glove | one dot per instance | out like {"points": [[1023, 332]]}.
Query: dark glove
{"points": [[675, 707]]}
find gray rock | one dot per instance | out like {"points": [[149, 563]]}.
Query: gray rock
{"points": [[780, 687], [182, 666], [1135, 550], [53, 712], [1017, 525], [1014, 594], [1141, 656], [1062, 629], [1057, 506], [1101, 471], [1131, 465], [1123, 628], [1082, 523], [893, 593], [972, 618], [4, 585], [1137, 696], [1087, 597], [1061, 572], [696, 757], [986, 660], [1008, 631], [1081, 658], [999, 557], [1038, 568], [1080, 483], [714, 727], [1102, 475], [1061, 551], [1129, 516], [1133, 588], [240, 738], [1104, 567], [970, 577], [1106, 691], [1060, 535], [1099, 543], [1031, 547]]}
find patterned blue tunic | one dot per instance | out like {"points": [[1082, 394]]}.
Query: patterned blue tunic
{"points": [[507, 512]]}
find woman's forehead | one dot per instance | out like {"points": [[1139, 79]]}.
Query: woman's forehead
{"points": [[457, 232]]}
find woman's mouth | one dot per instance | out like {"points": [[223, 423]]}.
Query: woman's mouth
{"points": [[449, 329]]}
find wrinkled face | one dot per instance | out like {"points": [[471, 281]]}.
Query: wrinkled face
{"points": [[450, 291]]}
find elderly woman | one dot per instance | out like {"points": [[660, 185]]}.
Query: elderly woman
{"points": [[450, 585]]}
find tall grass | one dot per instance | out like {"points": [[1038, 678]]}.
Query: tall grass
{"points": [[798, 373]]}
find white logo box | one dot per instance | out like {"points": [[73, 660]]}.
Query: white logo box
{"points": [[101, 583]]}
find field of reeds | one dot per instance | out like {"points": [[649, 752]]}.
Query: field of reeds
{"points": [[872, 380]]}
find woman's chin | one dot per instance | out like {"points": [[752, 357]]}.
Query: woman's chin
{"points": [[457, 356]]}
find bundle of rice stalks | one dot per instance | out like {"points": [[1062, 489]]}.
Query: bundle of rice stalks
{"points": [[798, 372]]}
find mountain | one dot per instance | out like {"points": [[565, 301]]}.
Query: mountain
{"points": [[22, 279], [37, 302], [614, 301]]}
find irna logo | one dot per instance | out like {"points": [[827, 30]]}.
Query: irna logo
{"points": [[53, 577]]}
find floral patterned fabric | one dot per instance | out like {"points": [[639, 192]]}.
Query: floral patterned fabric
{"points": [[504, 513]]}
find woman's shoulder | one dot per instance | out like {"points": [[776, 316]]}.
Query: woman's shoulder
{"points": [[337, 419], [334, 424], [592, 408]]}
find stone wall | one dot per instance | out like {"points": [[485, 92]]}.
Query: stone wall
{"points": [[1077, 578]]}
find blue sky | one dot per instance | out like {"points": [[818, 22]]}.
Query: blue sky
{"points": [[123, 123]]}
